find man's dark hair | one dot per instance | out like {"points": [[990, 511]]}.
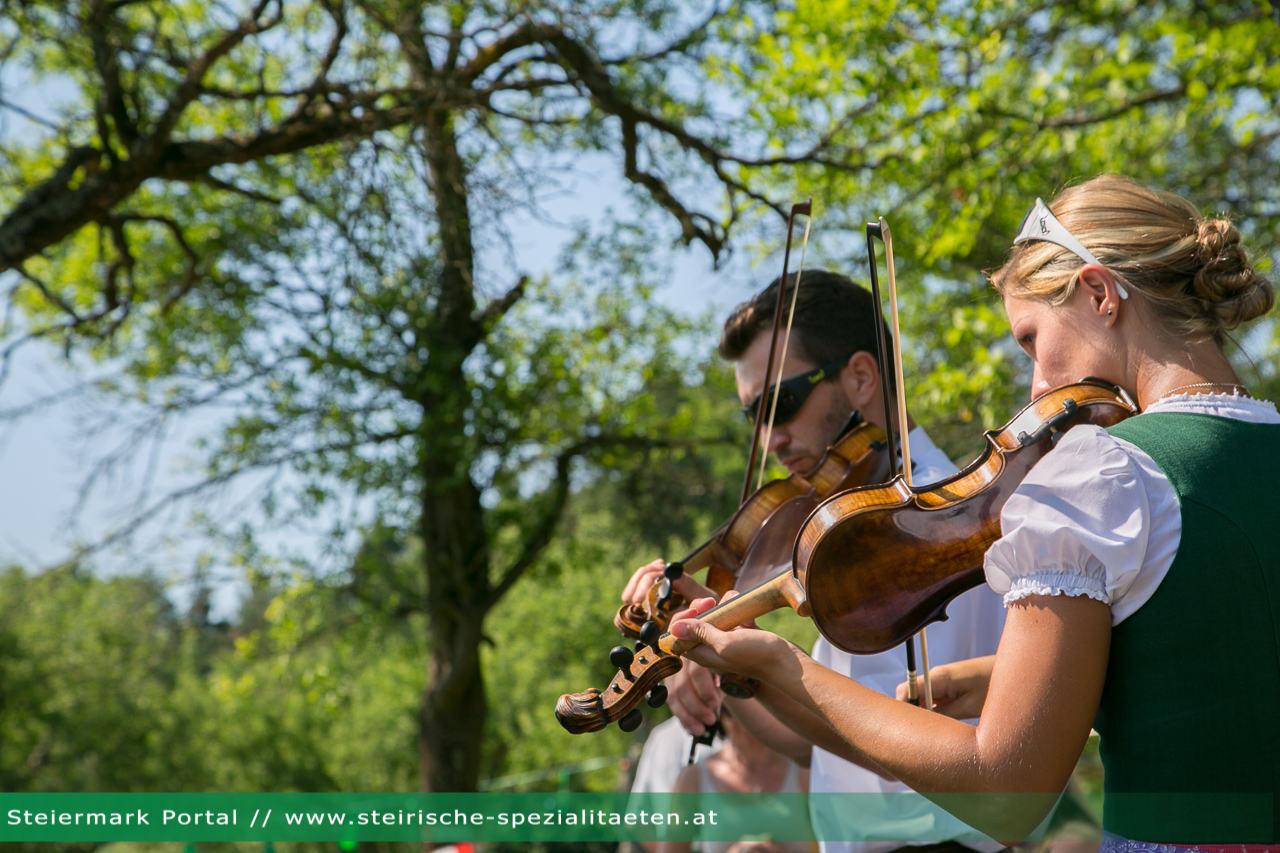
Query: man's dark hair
{"points": [[834, 319]]}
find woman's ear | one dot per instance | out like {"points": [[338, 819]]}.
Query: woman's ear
{"points": [[1099, 286]]}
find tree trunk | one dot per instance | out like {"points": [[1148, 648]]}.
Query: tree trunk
{"points": [[457, 548]]}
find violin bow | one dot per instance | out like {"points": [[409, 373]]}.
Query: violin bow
{"points": [[764, 423], [880, 229], [786, 339]]}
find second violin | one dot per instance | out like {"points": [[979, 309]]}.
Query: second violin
{"points": [[758, 541]]}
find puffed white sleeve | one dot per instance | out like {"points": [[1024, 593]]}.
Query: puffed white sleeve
{"points": [[1081, 523]]}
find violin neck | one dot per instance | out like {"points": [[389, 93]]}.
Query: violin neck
{"points": [[775, 594]]}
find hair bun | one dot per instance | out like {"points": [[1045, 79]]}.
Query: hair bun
{"points": [[1216, 238], [1226, 280]]}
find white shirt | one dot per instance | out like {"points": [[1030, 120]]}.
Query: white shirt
{"points": [[884, 809], [665, 754], [1098, 517]]}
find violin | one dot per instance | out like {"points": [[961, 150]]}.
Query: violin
{"points": [[758, 542], [874, 565]]}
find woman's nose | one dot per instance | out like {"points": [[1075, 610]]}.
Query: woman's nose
{"points": [[1038, 384]]}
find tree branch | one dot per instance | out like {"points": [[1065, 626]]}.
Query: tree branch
{"points": [[199, 67], [107, 62], [27, 114], [494, 311], [538, 535], [193, 260], [1082, 118], [253, 195], [51, 211]]}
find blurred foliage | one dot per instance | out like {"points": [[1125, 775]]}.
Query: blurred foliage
{"points": [[949, 119], [107, 688]]}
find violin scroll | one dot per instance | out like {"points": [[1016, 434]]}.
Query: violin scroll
{"points": [[593, 709], [661, 602]]}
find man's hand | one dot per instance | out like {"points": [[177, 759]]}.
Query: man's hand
{"points": [[694, 697], [642, 580], [959, 689]]}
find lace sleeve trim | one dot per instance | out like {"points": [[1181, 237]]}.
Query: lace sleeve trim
{"points": [[1057, 583]]}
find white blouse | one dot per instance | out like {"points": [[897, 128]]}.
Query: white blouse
{"points": [[1098, 517]]}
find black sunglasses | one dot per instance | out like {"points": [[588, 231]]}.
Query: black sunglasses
{"points": [[794, 391]]}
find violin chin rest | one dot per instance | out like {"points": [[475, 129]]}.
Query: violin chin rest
{"points": [[583, 712]]}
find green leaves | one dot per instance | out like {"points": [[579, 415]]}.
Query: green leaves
{"points": [[950, 119]]}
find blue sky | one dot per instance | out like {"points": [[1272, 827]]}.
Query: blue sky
{"points": [[44, 457]]}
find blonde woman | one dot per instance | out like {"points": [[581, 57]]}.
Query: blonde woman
{"points": [[744, 766], [1140, 564]]}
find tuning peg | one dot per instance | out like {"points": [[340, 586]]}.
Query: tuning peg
{"points": [[621, 657], [639, 645], [649, 634], [631, 721], [673, 570], [664, 592], [657, 696]]}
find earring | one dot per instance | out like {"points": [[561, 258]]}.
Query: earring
{"points": [[1108, 313]]}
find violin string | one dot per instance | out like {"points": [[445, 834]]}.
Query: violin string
{"points": [[786, 339]]}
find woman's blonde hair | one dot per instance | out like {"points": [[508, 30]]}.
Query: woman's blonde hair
{"points": [[1190, 268]]}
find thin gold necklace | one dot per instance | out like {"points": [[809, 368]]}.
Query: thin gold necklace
{"points": [[1244, 392]]}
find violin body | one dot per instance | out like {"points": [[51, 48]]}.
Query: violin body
{"points": [[874, 565], [880, 563], [758, 542]]}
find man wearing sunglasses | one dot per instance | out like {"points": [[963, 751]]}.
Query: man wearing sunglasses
{"points": [[831, 382], [831, 378]]}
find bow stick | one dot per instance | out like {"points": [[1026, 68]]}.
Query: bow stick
{"points": [[736, 685], [764, 424], [786, 339], [880, 229]]}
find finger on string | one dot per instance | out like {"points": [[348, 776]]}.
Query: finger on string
{"points": [[696, 608], [684, 628], [694, 629]]}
